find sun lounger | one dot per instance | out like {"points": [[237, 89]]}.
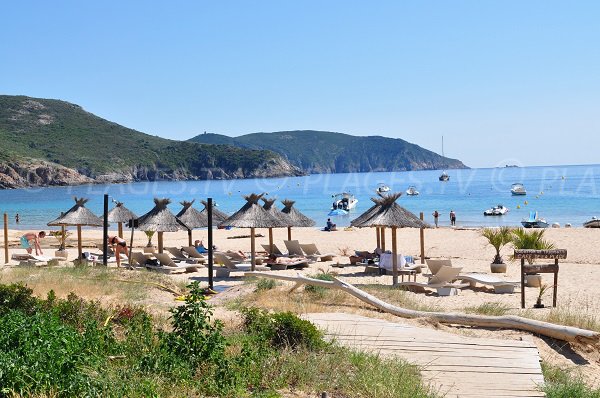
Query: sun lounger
{"points": [[193, 253], [441, 282], [229, 266], [168, 265], [500, 285], [283, 263], [311, 250], [435, 264], [276, 251], [179, 256], [34, 260], [294, 248]]}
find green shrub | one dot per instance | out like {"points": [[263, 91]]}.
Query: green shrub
{"points": [[17, 297], [282, 330], [319, 290], [265, 284]]}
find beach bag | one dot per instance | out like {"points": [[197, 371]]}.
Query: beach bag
{"points": [[151, 261]]}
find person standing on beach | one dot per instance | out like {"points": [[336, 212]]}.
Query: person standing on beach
{"points": [[118, 245], [436, 216], [452, 218], [17, 218], [28, 238]]}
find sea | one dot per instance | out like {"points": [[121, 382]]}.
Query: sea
{"points": [[560, 194]]}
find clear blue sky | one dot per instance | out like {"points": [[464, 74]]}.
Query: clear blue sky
{"points": [[503, 81]]}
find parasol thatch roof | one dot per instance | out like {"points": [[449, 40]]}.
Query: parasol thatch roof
{"points": [[367, 214], [217, 215], [269, 206], [120, 213], [252, 215], [77, 215], [192, 217], [296, 218], [160, 218], [388, 213]]}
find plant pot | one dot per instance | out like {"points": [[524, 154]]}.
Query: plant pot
{"points": [[498, 268], [62, 254], [149, 249], [538, 304], [534, 280]]}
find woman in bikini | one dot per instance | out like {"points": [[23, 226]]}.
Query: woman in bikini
{"points": [[119, 245]]}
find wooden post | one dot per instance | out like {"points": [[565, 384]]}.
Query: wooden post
{"points": [[209, 213], [378, 237], [160, 241], [289, 233], [79, 249], [555, 288], [394, 258], [522, 283], [271, 240], [131, 246], [252, 256], [5, 238], [382, 238], [422, 236], [120, 227], [190, 243]]}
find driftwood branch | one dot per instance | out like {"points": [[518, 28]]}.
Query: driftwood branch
{"points": [[566, 333]]}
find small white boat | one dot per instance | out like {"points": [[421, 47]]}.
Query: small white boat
{"points": [[344, 201], [382, 188], [444, 176], [534, 221], [412, 191], [518, 189], [593, 223], [498, 210]]}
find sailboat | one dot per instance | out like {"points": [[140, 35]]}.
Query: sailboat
{"points": [[444, 176]]}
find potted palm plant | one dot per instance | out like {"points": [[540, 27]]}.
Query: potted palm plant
{"points": [[521, 239], [498, 238], [543, 289], [61, 236], [149, 246]]}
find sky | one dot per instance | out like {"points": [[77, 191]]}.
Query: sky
{"points": [[505, 82]]}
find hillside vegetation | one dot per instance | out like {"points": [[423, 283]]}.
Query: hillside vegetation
{"points": [[54, 132], [327, 152]]}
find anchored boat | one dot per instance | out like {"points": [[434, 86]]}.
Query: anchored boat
{"points": [[412, 191], [498, 210], [518, 189], [534, 221]]}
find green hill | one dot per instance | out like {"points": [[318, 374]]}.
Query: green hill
{"points": [[327, 152], [46, 142]]}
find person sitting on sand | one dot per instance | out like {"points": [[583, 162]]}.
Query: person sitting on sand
{"points": [[118, 245], [330, 226], [28, 238], [200, 247]]}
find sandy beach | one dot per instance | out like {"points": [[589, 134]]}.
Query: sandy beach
{"points": [[578, 278]]}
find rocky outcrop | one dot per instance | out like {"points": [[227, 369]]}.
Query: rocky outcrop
{"points": [[31, 173]]}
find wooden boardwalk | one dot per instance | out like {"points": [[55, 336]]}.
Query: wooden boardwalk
{"points": [[456, 366]]}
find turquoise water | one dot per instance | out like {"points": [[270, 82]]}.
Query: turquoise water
{"points": [[563, 194]]}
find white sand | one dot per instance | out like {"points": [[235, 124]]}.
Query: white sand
{"points": [[578, 286]]}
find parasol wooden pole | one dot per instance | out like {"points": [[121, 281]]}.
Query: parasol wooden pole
{"points": [[270, 240], [382, 238], [132, 223], [422, 236], [160, 241], [190, 237], [252, 250], [394, 258], [5, 238], [289, 233], [120, 226], [79, 249], [378, 237]]}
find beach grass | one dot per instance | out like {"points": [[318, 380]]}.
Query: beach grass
{"points": [[489, 308], [566, 383]]}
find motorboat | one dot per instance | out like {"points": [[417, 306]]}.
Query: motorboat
{"points": [[344, 201], [412, 191], [498, 210], [534, 221], [382, 188], [338, 212], [518, 189], [593, 223]]}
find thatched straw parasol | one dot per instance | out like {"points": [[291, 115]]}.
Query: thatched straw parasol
{"points": [[269, 206], [252, 216], [379, 232], [217, 215], [192, 218], [121, 214], [160, 219], [77, 216], [390, 214], [296, 218]]}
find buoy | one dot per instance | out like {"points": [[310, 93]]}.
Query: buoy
{"points": [[563, 177], [541, 193], [526, 202], [537, 197], [518, 207]]}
